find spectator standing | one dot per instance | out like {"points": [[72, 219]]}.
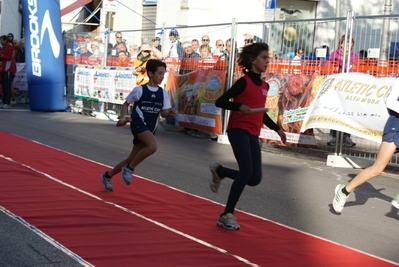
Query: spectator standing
{"points": [[20, 56], [156, 43], [176, 49], [227, 51], [123, 59], [10, 38], [206, 41], [83, 51], [189, 58], [195, 45], [299, 52], [100, 42], [118, 39], [219, 48], [297, 60], [97, 56], [146, 53], [338, 55], [8, 69], [16, 45], [205, 51], [122, 47], [79, 39], [88, 42], [312, 56]]}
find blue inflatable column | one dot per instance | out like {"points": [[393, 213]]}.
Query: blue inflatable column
{"points": [[44, 54]]}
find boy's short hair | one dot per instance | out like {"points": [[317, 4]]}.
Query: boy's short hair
{"points": [[153, 64]]}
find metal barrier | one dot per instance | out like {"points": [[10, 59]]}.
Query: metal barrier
{"points": [[283, 37]]}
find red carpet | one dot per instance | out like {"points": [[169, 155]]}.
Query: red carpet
{"points": [[144, 224]]}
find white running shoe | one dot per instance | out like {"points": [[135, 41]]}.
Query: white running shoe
{"points": [[215, 179], [106, 182], [395, 202], [6, 106], [339, 199], [126, 175], [228, 221]]}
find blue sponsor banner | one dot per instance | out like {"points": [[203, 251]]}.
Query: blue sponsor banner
{"points": [[44, 54], [270, 4]]}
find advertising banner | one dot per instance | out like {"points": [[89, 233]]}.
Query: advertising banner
{"points": [[351, 102], [83, 85], [110, 85], [288, 100], [44, 55], [124, 82], [20, 80], [194, 95]]}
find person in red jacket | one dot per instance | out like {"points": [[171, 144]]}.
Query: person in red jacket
{"points": [[8, 69], [247, 94]]}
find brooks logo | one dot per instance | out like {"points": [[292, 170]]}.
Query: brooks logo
{"points": [[37, 41]]}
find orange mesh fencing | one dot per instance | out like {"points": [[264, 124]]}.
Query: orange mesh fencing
{"points": [[190, 64], [97, 61], [377, 68], [374, 67], [307, 67]]}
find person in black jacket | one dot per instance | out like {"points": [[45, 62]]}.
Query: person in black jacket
{"points": [[20, 54]]}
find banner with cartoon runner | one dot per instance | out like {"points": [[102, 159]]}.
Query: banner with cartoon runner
{"points": [[194, 96], [351, 102], [288, 100]]}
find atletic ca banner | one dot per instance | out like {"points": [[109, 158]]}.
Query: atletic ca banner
{"points": [[351, 102]]}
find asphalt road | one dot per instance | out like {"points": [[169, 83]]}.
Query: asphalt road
{"points": [[297, 188]]}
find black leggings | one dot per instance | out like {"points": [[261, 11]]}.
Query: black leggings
{"points": [[6, 82], [247, 152]]}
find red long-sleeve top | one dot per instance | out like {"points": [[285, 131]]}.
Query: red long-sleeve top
{"points": [[7, 54]]}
